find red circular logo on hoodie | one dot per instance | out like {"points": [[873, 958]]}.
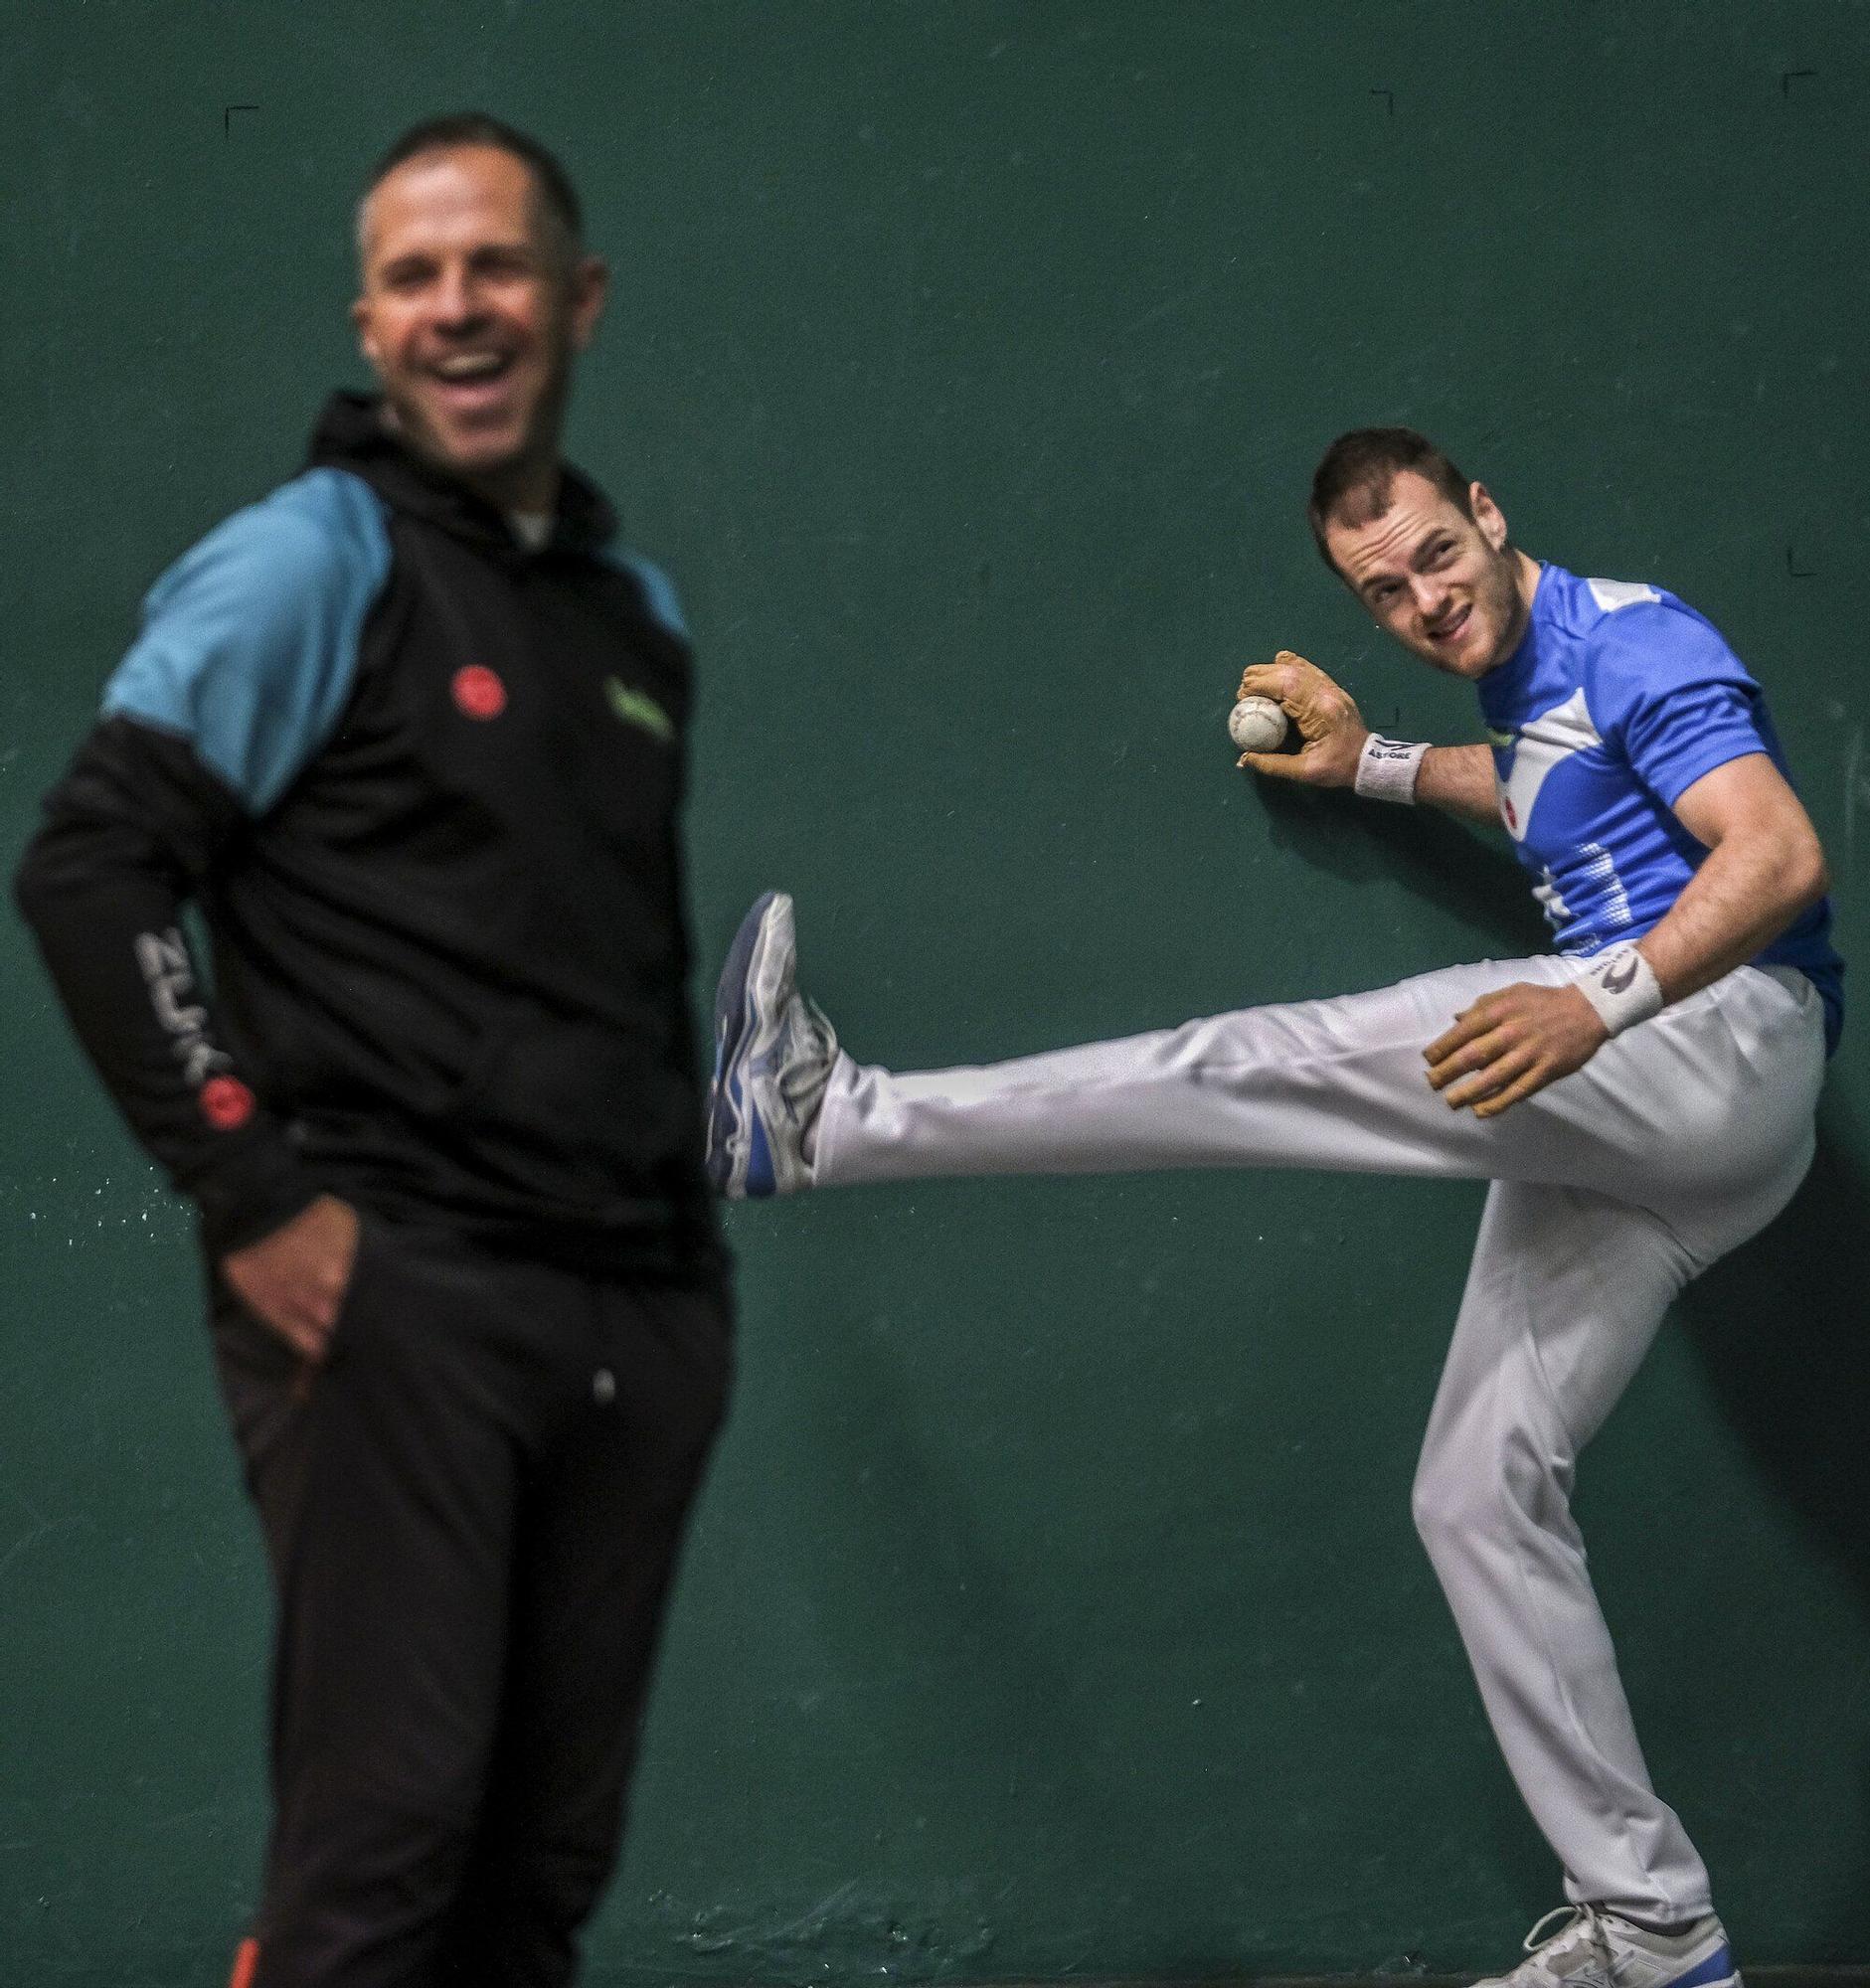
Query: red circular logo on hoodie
{"points": [[479, 693], [225, 1102]]}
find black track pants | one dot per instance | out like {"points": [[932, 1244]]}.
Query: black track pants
{"points": [[473, 1515]]}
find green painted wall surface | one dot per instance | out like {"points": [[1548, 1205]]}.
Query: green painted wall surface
{"points": [[1054, 1608]]}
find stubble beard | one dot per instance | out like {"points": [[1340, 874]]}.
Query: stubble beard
{"points": [[403, 415], [1514, 614]]}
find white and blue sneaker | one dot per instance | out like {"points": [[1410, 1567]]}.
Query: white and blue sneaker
{"points": [[772, 1055], [1597, 1948]]}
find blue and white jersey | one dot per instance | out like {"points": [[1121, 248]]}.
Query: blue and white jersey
{"points": [[1617, 700]]}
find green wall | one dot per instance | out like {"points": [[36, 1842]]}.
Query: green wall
{"points": [[1054, 1608]]}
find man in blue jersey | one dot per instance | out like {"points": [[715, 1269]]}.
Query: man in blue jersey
{"points": [[1641, 1102]]}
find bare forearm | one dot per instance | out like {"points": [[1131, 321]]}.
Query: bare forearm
{"points": [[1459, 778], [1747, 891]]}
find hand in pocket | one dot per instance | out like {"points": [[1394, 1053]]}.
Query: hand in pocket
{"points": [[293, 1280]]}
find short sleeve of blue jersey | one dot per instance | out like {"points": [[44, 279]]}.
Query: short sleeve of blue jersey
{"points": [[248, 643], [1663, 686]]}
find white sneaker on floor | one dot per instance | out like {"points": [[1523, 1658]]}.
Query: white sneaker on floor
{"points": [[1594, 1948]]}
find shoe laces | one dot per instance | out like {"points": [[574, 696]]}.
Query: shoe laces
{"points": [[808, 1046], [1577, 1920]]}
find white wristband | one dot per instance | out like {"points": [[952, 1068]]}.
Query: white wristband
{"points": [[1387, 769], [1621, 986]]}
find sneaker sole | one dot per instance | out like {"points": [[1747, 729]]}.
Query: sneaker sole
{"points": [[1716, 1971]]}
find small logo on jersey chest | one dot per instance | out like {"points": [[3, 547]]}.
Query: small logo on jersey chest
{"points": [[477, 692], [635, 707]]}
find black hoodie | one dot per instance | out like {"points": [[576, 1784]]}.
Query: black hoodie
{"points": [[423, 785]]}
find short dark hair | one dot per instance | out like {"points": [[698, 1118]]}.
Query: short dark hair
{"points": [[551, 181], [1353, 481]]}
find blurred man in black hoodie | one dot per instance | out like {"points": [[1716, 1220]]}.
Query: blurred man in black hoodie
{"points": [[410, 735]]}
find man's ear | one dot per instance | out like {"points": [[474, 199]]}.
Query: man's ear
{"points": [[365, 343], [1487, 515], [591, 285]]}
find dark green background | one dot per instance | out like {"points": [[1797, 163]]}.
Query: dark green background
{"points": [[1053, 1610]]}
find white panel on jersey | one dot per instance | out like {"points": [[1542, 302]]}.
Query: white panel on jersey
{"points": [[1544, 740], [1600, 868], [1611, 595]]}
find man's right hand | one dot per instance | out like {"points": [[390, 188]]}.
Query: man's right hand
{"points": [[1329, 722], [294, 1279]]}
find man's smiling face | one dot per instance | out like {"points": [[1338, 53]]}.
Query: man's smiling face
{"points": [[1446, 586], [474, 307]]}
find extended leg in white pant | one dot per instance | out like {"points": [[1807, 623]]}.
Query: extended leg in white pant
{"points": [[1703, 1114]]}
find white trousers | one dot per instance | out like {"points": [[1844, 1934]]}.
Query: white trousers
{"points": [[1611, 1189]]}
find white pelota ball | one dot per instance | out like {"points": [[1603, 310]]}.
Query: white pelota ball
{"points": [[1257, 725]]}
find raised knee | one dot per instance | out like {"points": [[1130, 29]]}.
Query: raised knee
{"points": [[1442, 1504], [1473, 1495]]}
